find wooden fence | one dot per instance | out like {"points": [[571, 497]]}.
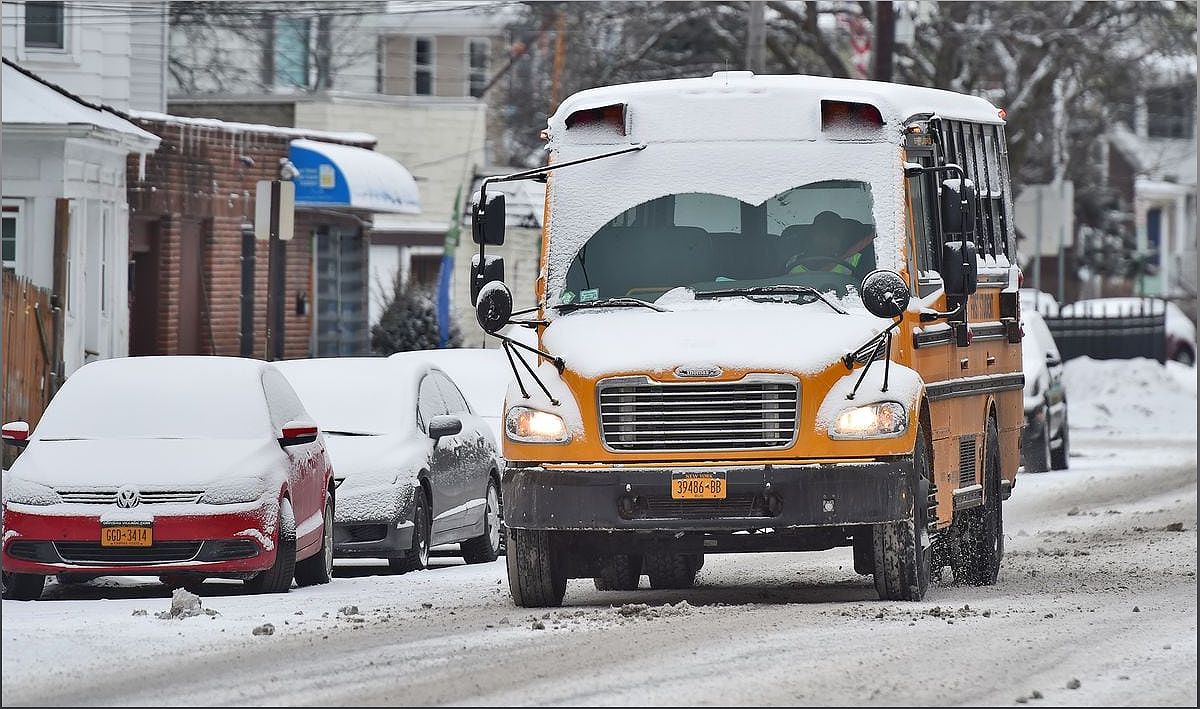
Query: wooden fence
{"points": [[28, 350]]}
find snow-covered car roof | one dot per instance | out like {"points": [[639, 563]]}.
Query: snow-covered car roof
{"points": [[1040, 301], [370, 395], [482, 375], [160, 397], [733, 105]]}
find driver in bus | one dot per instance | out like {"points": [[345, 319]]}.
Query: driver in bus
{"points": [[826, 250]]}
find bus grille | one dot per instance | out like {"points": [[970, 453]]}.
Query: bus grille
{"points": [[757, 412]]}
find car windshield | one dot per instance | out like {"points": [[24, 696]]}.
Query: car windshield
{"points": [[352, 395], [819, 235], [153, 397]]}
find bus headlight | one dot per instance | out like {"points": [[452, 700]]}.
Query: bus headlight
{"points": [[527, 425], [880, 420]]}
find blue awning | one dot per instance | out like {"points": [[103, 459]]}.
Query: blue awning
{"points": [[333, 175]]}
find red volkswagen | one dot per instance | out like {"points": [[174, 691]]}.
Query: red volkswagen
{"points": [[178, 467]]}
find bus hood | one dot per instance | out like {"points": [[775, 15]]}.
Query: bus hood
{"points": [[802, 339]]}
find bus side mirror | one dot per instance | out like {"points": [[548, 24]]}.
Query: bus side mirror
{"points": [[885, 294], [491, 270], [487, 221], [960, 270], [494, 307], [958, 207]]}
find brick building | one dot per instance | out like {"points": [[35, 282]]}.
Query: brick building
{"points": [[198, 278]]}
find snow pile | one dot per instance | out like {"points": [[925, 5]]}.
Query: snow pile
{"points": [[185, 604], [1131, 396]]}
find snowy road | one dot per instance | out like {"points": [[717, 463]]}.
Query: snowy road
{"points": [[1085, 547], [1096, 604]]}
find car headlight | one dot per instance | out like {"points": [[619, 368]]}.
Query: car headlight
{"points": [[528, 425], [27, 492], [880, 420], [231, 492]]}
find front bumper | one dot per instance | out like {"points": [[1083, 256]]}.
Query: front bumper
{"points": [[757, 497], [374, 521], [46, 540]]}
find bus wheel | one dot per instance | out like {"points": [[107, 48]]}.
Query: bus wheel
{"points": [[902, 548], [672, 570], [981, 537], [621, 572], [536, 575]]}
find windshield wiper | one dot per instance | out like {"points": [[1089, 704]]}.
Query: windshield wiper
{"points": [[768, 291], [610, 303], [349, 433]]}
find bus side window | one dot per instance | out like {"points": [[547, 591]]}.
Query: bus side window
{"points": [[924, 234]]}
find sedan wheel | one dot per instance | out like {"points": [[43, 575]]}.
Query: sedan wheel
{"points": [[417, 557], [318, 568], [486, 547]]}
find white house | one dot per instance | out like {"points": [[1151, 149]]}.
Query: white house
{"points": [[64, 169]]}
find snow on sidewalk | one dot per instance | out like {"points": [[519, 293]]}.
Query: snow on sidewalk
{"points": [[1131, 396]]}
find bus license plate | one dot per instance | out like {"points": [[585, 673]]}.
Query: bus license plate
{"points": [[127, 534], [698, 486]]}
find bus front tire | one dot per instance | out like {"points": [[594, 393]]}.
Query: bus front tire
{"points": [[536, 575], [901, 549]]}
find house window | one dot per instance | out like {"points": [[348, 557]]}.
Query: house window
{"points": [[44, 25], [423, 66], [478, 57], [1171, 111], [291, 51], [10, 229]]}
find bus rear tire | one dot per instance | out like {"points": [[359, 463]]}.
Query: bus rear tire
{"points": [[901, 548], [672, 571], [620, 572], [536, 575]]}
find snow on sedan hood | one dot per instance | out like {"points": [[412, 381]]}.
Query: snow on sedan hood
{"points": [[731, 333], [375, 460], [162, 463]]}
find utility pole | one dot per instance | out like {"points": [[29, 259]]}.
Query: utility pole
{"points": [[756, 39], [560, 52], [885, 40], [274, 222]]}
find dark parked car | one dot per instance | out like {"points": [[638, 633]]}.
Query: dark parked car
{"points": [[415, 466], [1046, 440]]}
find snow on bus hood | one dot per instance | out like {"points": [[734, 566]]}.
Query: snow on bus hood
{"points": [[161, 463], [729, 333]]}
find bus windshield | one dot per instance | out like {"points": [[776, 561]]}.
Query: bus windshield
{"points": [[819, 235]]}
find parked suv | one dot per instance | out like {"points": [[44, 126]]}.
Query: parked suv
{"points": [[1045, 440]]}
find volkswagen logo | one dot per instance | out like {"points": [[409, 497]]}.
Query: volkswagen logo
{"points": [[127, 496], [690, 372]]}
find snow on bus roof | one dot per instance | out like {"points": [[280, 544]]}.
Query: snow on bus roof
{"points": [[741, 95]]}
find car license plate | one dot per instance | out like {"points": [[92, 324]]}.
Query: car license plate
{"points": [[698, 486], [126, 534]]}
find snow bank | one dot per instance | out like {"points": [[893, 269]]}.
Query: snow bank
{"points": [[1131, 396]]}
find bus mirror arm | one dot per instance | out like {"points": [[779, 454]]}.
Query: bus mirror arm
{"points": [[931, 315]]}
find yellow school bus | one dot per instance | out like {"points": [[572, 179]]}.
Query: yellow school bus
{"points": [[775, 313]]}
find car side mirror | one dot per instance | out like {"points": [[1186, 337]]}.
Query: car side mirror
{"points": [[487, 221], [444, 425], [481, 275], [494, 307], [958, 207], [16, 434], [960, 270], [885, 294], [298, 432]]}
